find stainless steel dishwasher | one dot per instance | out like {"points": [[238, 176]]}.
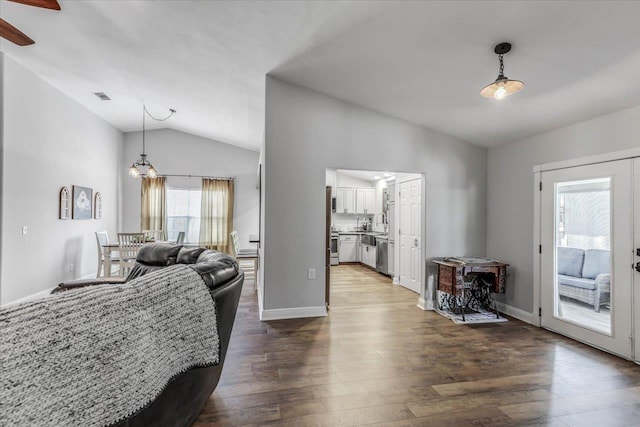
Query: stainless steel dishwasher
{"points": [[381, 255]]}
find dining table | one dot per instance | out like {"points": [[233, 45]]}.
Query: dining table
{"points": [[107, 250], [110, 248]]}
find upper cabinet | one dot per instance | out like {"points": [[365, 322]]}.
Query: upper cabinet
{"points": [[345, 200], [391, 192], [365, 200], [351, 200]]}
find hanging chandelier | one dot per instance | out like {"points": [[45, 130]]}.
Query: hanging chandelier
{"points": [[143, 167], [503, 86]]}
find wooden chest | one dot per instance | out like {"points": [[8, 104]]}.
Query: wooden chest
{"points": [[446, 279]]}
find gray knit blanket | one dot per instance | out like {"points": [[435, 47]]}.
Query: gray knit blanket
{"points": [[96, 355]]}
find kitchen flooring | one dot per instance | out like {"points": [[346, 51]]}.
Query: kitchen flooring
{"points": [[379, 359]]}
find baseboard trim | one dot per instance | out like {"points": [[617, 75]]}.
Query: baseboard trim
{"points": [[426, 305], [44, 293], [525, 316], [32, 297], [292, 313]]}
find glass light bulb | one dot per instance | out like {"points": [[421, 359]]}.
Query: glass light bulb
{"points": [[133, 171], [500, 93], [152, 173]]}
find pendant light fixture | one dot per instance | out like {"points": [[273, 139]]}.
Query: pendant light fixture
{"points": [[503, 86], [143, 167]]}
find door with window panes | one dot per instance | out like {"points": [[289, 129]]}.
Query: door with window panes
{"points": [[587, 251]]}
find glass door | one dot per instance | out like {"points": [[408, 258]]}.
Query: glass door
{"points": [[586, 236]]}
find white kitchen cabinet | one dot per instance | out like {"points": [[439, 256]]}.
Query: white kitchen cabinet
{"points": [[391, 191], [365, 200], [347, 248], [391, 219], [392, 258], [368, 256], [345, 200]]}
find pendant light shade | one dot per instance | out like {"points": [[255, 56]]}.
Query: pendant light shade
{"points": [[503, 86]]}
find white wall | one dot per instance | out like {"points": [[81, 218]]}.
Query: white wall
{"points": [[179, 153], [510, 189], [343, 180], [50, 141], [306, 132]]}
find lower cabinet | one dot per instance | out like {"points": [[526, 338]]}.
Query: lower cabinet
{"points": [[368, 255], [392, 257]]}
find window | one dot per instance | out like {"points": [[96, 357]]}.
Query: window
{"points": [[183, 213]]}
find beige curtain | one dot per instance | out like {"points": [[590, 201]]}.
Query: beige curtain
{"points": [[154, 211], [216, 216]]}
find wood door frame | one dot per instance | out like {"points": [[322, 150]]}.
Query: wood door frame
{"points": [[327, 265]]}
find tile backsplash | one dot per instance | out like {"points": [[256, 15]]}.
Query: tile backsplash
{"points": [[348, 222]]}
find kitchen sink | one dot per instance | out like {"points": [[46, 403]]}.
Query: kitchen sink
{"points": [[376, 234]]}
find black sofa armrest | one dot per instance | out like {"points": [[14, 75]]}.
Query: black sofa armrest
{"points": [[81, 283]]}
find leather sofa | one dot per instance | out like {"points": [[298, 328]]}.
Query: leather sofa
{"points": [[585, 275], [184, 397]]}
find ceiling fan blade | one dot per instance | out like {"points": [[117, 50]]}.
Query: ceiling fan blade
{"points": [[13, 34], [47, 4]]}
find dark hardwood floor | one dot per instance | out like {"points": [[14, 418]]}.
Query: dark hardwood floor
{"points": [[377, 358]]}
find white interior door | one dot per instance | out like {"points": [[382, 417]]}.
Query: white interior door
{"points": [[410, 234], [586, 237]]}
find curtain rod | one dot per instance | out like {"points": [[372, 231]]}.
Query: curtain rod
{"points": [[228, 178]]}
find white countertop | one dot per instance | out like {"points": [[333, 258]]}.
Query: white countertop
{"points": [[376, 234]]}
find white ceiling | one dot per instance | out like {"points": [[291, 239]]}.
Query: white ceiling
{"points": [[371, 175], [424, 62]]}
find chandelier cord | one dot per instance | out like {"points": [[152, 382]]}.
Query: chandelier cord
{"points": [[501, 75], [144, 110], [172, 112]]}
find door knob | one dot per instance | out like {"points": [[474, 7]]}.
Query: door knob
{"points": [[638, 267]]}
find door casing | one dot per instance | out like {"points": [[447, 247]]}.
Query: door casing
{"points": [[633, 153]]}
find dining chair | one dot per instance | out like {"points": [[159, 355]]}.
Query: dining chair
{"points": [[128, 246], [246, 255], [180, 239], [153, 234], [102, 238]]}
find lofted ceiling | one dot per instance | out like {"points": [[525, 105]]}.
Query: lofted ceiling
{"points": [[424, 62]]}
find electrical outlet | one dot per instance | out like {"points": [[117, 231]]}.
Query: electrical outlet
{"points": [[24, 229], [71, 267], [311, 274]]}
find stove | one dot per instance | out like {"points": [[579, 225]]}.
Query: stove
{"points": [[335, 256]]}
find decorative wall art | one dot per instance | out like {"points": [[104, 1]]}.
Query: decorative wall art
{"points": [[97, 206], [82, 197], [64, 199]]}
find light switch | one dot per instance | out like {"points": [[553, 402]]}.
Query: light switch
{"points": [[24, 229]]}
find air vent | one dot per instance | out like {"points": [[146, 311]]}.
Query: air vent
{"points": [[103, 96]]}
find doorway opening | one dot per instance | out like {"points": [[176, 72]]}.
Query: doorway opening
{"points": [[374, 235]]}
